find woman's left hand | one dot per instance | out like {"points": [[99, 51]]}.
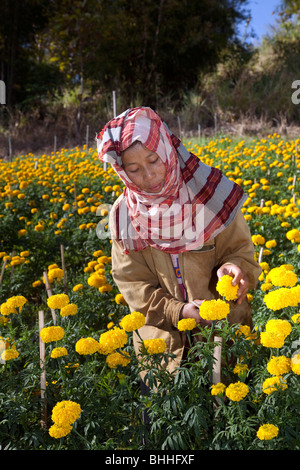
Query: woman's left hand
{"points": [[239, 277]]}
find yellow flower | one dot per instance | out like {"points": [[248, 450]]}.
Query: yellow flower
{"points": [[77, 287], [279, 326], [111, 340], [132, 321], [296, 318], [9, 354], [119, 299], [155, 346], [65, 413], [96, 280], [295, 364], [218, 389], [237, 391], [106, 288], [214, 309], [293, 235], [70, 309], [241, 369], [270, 339], [186, 324], [86, 346], [267, 432], [271, 243], [58, 352], [118, 359], [272, 384], [52, 333], [226, 289], [16, 301], [58, 301], [281, 277], [258, 240], [279, 365], [59, 431], [281, 298]]}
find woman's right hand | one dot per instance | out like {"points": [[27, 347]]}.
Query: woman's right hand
{"points": [[191, 311]]}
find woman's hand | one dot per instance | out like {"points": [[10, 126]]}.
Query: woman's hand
{"points": [[239, 277], [190, 310]]}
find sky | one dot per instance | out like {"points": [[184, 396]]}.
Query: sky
{"points": [[262, 17]]}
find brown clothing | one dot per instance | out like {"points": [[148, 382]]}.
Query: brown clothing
{"points": [[148, 283]]}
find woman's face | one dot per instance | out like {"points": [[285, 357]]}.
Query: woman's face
{"points": [[144, 168]]}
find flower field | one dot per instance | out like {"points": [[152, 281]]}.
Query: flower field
{"points": [[69, 377]]}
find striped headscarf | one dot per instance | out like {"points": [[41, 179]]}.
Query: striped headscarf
{"points": [[195, 204]]}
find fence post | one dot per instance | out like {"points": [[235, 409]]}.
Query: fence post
{"points": [[43, 373]]}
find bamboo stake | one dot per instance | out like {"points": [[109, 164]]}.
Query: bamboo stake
{"points": [[43, 373], [49, 293], [216, 373], [2, 270], [62, 252]]}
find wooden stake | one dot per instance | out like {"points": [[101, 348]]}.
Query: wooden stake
{"points": [[216, 373], [2, 270], [43, 373], [62, 252], [49, 293]]}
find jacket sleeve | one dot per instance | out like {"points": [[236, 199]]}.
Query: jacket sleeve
{"points": [[234, 245], [141, 289]]}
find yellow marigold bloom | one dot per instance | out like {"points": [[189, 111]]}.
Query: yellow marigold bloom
{"points": [[272, 384], [58, 352], [282, 298], [226, 289], [59, 431], [112, 339], [214, 309], [155, 346], [218, 389], [276, 325], [132, 321], [271, 340], [237, 391], [296, 318], [86, 346], [119, 299], [106, 288], [267, 432], [241, 369], [70, 309], [279, 365], [281, 277], [58, 301], [271, 244], [118, 359], [96, 280], [293, 235], [22, 232], [16, 301], [6, 309], [98, 253], [65, 413], [9, 354], [55, 273], [258, 240], [77, 287], [52, 333], [295, 364], [36, 284], [186, 324]]}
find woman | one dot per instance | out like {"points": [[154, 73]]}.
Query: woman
{"points": [[175, 230]]}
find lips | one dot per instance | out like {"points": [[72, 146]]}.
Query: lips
{"points": [[156, 188]]}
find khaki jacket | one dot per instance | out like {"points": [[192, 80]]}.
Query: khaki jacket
{"points": [[148, 283]]}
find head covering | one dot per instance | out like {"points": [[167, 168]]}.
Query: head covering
{"points": [[195, 204]]}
